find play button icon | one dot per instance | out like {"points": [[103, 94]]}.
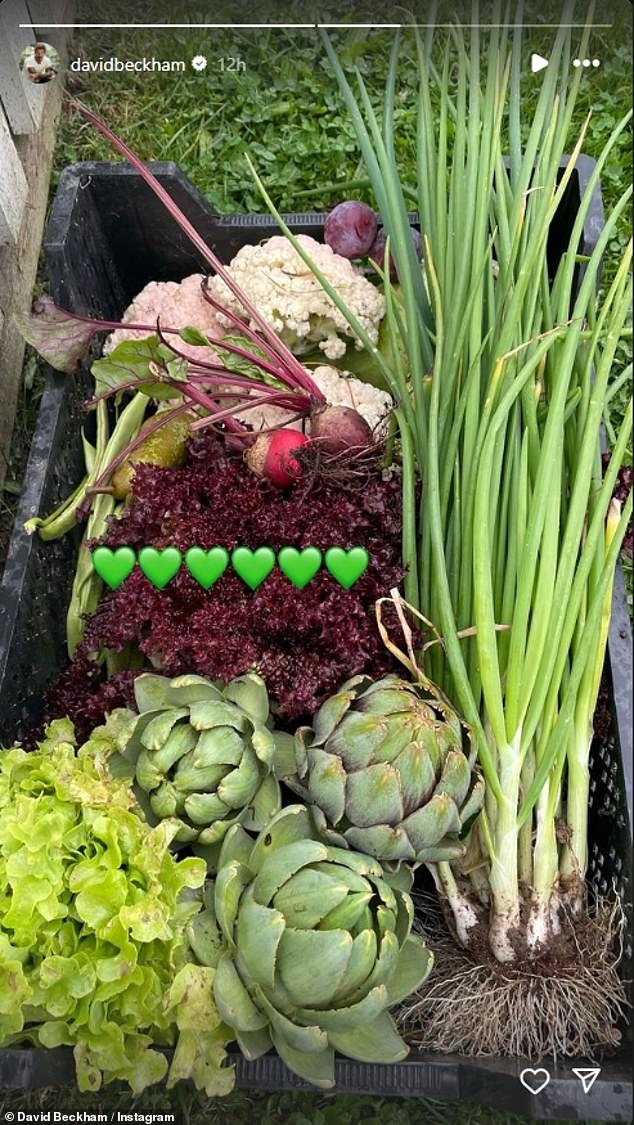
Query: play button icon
{"points": [[538, 62]]}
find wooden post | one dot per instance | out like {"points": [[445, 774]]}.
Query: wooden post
{"points": [[28, 118]]}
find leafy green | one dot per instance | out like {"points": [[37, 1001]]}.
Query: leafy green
{"points": [[93, 913], [147, 363]]}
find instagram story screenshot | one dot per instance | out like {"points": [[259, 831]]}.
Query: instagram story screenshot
{"points": [[316, 780]]}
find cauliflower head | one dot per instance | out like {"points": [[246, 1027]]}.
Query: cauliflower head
{"points": [[177, 304], [285, 292]]}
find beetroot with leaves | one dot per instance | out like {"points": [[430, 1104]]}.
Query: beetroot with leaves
{"points": [[304, 643]]}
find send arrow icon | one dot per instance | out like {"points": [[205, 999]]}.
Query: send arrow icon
{"points": [[588, 1076], [538, 62]]}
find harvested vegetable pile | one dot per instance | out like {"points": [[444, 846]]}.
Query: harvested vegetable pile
{"points": [[303, 643]]}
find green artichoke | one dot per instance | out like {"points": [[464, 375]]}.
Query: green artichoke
{"points": [[310, 946], [384, 771], [204, 755]]}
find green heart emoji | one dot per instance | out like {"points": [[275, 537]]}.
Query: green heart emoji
{"points": [[206, 566], [299, 566], [159, 566], [113, 566], [253, 566], [347, 566]]}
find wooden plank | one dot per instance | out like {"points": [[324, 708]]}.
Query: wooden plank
{"points": [[18, 262], [46, 12], [23, 101], [13, 186]]}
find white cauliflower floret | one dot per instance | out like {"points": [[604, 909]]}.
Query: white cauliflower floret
{"points": [[177, 304], [282, 288], [339, 389]]}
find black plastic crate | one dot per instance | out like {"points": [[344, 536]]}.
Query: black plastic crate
{"points": [[107, 237]]}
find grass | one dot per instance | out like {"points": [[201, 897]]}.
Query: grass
{"points": [[302, 143], [246, 1108]]}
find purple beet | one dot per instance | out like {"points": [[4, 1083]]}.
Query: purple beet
{"points": [[350, 229], [377, 250]]}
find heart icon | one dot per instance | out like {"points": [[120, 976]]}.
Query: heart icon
{"points": [[113, 566], [253, 566], [299, 566], [206, 566], [159, 566], [534, 1080], [347, 566]]}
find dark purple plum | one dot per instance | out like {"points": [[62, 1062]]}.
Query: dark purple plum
{"points": [[377, 250], [350, 229]]}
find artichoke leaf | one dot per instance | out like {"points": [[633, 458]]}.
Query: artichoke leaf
{"points": [[357, 739], [232, 999], [213, 835], [316, 1068], [205, 939], [185, 690], [283, 863], [383, 969], [474, 801], [455, 778], [208, 713], [218, 746], [250, 693], [265, 804], [147, 775], [292, 823], [415, 963], [166, 801], [363, 865], [417, 776], [376, 1042], [311, 964], [447, 851], [284, 757], [230, 883], [360, 965], [204, 808], [179, 742], [373, 796], [331, 713], [238, 788], [327, 783], [307, 897], [353, 1015], [386, 700], [346, 915], [254, 1044], [150, 692], [381, 840], [311, 1038], [160, 726], [263, 742], [258, 933], [427, 826], [236, 847]]}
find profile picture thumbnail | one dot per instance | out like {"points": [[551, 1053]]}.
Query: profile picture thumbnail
{"points": [[39, 62]]}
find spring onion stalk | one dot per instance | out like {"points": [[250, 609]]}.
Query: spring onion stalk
{"points": [[517, 527]]}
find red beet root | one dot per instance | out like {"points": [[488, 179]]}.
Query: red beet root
{"points": [[377, 251], [350, 229], [337, 428], [271, 456]]}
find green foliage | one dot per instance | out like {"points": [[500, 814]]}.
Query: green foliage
{"points": [[93, 914], [244, 1107]]}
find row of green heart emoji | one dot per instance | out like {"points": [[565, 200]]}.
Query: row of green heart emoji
{"points": [[251, 566]]}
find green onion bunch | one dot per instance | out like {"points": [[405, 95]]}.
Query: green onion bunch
{"points": [[501, 372]]}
